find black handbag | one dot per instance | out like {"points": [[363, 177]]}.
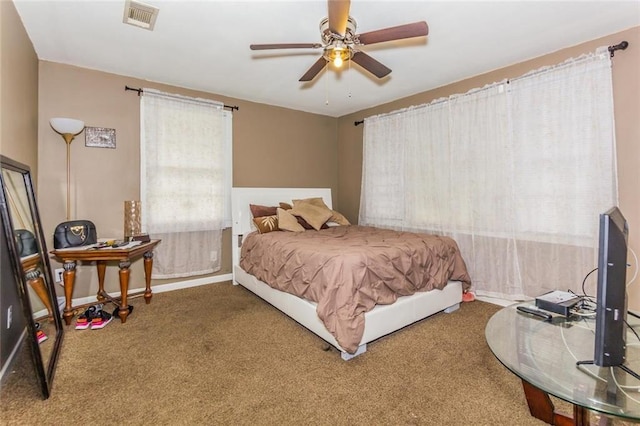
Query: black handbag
{"points": [[25, 242], [75, 233]]}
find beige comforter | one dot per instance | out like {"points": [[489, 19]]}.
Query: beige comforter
{"points": [[347, 270]]}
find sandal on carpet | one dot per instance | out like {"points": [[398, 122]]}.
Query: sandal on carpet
{"points": [[84, 320], [117, 309], [101, 320], [468, 296]]}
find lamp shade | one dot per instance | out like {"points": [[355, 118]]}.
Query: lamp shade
{"points": [[67, 125]]}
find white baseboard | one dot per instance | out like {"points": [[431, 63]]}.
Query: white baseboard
{"points": [[495, 300], [43, 312], [161, 288]]}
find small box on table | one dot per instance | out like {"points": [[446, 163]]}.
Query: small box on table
{"points": [[559, 302]]}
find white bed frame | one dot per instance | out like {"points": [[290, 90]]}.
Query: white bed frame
{"points": [[380, 321]]}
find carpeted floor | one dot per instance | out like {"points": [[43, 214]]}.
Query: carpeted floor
{"points": [[217, 354]]}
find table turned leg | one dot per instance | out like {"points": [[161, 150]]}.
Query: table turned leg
{"points": [[69, 279], [35, 280], [101, 265], [124, 289], [148, 264]]}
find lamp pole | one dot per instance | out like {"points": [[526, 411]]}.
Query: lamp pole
{"points": [[68, 137]]}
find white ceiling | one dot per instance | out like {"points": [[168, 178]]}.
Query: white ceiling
{"points": [[204, 44]]}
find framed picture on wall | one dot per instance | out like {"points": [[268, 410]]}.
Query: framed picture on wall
{"points": [[100, 137]]}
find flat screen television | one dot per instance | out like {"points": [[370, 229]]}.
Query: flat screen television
{"points": [[611, 303]]}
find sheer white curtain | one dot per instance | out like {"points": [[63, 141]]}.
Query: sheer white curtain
{"points": [[516, 172], [185, 181]]}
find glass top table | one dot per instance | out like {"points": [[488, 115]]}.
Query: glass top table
{"points": [[543, 354]]}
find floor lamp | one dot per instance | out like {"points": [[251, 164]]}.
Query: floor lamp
{"points": [[68, 128]]}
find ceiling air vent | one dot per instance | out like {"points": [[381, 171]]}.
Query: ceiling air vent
{"points": [[140, 14]]}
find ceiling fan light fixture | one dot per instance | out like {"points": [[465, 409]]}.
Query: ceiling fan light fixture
{"points": [[337, 54]]}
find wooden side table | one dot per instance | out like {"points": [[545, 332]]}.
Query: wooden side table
{"points": [[124, 256]]}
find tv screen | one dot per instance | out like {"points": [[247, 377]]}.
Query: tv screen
{"points": [[611, 306]]}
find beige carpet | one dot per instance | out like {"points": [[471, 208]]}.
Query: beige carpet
{"points": [[217, 354]]}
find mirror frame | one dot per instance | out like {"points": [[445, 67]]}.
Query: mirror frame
{"points": [[45, 374]]}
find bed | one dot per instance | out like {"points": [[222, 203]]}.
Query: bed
{"points": [[377, 321]]}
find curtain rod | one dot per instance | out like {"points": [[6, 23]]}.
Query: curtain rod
{"points": [[140, 92], [620, 46]]}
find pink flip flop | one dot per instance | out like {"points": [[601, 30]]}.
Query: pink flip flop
{"points": [[101, 320], [41, 336]]}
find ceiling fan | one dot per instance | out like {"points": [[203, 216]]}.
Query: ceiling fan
{"points": [[340, 43]]}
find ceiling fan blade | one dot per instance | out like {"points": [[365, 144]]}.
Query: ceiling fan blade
{"points": [[338, 15], [370, 64], [285, 46], [314, 70], [416, 29]]}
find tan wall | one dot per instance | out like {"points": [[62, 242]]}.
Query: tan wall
{"points": [[18, 90], [626, 82], [272, 147], [18, 141]]}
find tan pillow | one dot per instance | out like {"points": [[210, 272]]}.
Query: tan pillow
{"points": [[301, 221], [266, 223], [288, 222], [338, 218], [319, 202], [316, 201], [315, 216]]}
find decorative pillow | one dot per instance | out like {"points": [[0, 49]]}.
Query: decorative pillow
{"points": [[338, 218], [315, 216], [316, 201], [301, 221], [319, 202], [288, 222], [266, 223], [259, 211]]}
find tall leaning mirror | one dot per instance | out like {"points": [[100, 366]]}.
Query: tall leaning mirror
{"points": [[27, 254]]}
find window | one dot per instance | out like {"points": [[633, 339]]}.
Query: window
{"points": [[185, 180], [517, 172]]}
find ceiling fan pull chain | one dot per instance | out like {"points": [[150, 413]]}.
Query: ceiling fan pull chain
{"points": [[349, 79], [326, 84]]}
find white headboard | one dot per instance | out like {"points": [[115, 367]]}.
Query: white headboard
{"points": [[242, 197]]}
